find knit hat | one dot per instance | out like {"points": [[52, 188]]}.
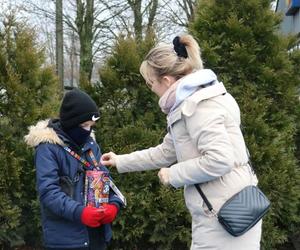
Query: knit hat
{"points": [[77, 107]]}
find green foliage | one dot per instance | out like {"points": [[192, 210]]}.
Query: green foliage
{"points": [[240, 42], [9, 185], [156, 217], [27, 94]]}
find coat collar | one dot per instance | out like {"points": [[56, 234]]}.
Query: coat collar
{"points": [[188, 106], [191, 103]]}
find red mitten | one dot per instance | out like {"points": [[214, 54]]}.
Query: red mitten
{"points": [[91, 216], [110, 211]]}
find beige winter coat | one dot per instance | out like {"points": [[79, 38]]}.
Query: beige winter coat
{"points": [[211, 151]]}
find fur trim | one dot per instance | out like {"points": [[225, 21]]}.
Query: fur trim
{"points": [[40, 133]]}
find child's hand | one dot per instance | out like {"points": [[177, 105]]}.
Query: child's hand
{"points": [[91, 216], [108, 159], [109, 213]]}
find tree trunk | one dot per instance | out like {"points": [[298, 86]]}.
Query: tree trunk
{"points": [[72, 59], [138, 18], [59, 44], [152, 13], [85, 22]]}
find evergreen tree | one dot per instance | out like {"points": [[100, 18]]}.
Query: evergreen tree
{"points": [[240, 42], [156, 217], [28, 92]]}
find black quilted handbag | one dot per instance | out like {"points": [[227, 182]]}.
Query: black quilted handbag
{"points": [[242, 211]]}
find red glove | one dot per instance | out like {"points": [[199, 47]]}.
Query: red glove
{"points": [[91, 216], [109, 211]]}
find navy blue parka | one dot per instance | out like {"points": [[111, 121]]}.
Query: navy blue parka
{"points": [[60, 186]]}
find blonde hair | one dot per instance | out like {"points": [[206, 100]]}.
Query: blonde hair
{"points": [[163, 60]]}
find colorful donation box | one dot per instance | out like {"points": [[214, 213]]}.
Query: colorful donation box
{"points": [[96, 188]]}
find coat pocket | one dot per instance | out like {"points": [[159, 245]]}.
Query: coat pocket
{"points": [[67, 185]]}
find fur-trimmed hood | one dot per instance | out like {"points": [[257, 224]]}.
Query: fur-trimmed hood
{"points": [[46, 132], [41, 133], [49, 131]]}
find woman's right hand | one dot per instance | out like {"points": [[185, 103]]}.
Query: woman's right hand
{"points": [[108, 159]]}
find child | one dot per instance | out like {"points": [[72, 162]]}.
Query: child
{"points": [[67, 223]]}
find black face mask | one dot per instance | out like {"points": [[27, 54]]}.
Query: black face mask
{"points": [[79, 135]]}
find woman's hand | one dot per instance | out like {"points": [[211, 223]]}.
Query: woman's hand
{"points": [[108, 159], [163, 175]]}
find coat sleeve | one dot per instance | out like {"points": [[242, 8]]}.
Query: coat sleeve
{"points": [[206, 127], [49, 190], [160, 156]]}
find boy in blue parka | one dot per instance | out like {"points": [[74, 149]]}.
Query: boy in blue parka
{"points": [[67, 223]]}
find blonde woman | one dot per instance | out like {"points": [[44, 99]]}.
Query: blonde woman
{"points": [[204, 144]]}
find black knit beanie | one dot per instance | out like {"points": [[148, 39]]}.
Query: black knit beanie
{"points": [[77, 107]]}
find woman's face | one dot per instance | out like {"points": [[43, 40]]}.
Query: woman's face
{"points": [[159, 87]]}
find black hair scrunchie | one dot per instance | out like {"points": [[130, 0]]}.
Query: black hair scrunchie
{"points": [[179, 47]]}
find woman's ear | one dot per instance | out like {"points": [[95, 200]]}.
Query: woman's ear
{"points": [[168, 80]]}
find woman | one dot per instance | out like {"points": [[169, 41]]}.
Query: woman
{"points": [[204, 144]]}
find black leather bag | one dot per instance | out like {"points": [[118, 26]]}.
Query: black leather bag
{"points": [[242, 211]]}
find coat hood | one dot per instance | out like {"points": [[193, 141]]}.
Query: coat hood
{"points": [[41, 133], [49, 131], [192, 82]]}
